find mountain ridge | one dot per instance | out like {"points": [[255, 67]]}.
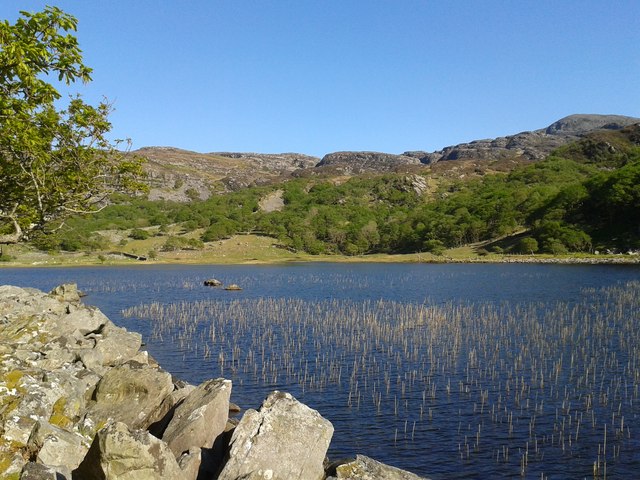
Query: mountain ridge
{"points": [[183, 175]]}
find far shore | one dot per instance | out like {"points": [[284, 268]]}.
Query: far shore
{"points": [[94, 259]]}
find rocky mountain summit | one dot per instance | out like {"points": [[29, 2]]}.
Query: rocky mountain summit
{"points": [[182, 175], [528, 146], [534, 145], [80, 400], [358, 162]]}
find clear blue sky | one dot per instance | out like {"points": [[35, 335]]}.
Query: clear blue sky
{"points": [[317, 76]]}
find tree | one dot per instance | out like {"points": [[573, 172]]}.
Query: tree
{"points": [[527, 245], [54, 162]]}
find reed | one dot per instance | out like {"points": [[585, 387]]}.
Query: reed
{"points": [[546, 381]]}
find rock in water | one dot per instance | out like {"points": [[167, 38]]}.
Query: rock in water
{"points": [[365, 468], [118, 453], [284, 440]]}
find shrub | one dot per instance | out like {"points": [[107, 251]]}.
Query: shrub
{"points": [[527, 245], [139, 234], [436, 247]]}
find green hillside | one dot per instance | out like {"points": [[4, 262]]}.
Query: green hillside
{"points": [[583, 197]]}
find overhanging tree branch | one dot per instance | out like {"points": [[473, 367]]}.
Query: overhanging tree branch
{"points": [[53, 162]]}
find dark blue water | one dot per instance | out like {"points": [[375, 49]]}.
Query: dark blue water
{"points": [[436, 400]]}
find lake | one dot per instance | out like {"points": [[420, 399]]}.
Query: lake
{"points": [[448, 371]]}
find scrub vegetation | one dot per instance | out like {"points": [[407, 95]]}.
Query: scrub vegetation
{"points": [[584, 197]]}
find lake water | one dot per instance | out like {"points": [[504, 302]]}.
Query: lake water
{"points": [[449, 371]]}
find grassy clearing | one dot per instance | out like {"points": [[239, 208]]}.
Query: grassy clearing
{"points": [[256, 249]]}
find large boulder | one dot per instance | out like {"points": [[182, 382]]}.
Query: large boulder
{"points": [[365, 468], [85, 320], [160, 418], [200, 418], [115, 344], [284, 440], [130, 393], [67, 292], [118, 453], [33, 400], [55, 446], [39, 471]]}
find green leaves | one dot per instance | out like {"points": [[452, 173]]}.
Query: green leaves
{"points": [[54, 162]]}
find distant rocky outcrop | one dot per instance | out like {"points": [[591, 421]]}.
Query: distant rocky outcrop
{"points": [[534, 145], [285, 162], [181, 175], [79, 400], [351, 163]]}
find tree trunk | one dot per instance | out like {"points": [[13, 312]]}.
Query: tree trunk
{"points": [[14, 237]]}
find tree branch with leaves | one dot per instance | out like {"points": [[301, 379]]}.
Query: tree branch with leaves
{"points": [[54, 162]]}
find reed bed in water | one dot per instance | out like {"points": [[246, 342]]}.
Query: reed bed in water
{"points": [[527, 386]]}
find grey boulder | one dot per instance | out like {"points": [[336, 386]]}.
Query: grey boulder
{"points": [[142, 390], [365, 468], [118, 453], [284, 440], [200, 418]]}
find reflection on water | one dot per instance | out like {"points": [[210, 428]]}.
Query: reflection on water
{"points": [[451, 371]]}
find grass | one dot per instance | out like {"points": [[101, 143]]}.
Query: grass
{"points": [[257, 249]]}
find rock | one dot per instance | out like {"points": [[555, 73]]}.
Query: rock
{"points": [[212, 282], [11, 464], [534, 145], [116, 345], [283, 440], [38, 471], [365, 468], [359, 162], [85, 320], [139, 390], [55, 446], [174, 174], [272, 202], [35, 400], [582, 123], [160, 418], [190, 462], [200, 418], [78, 385], [67, 292], [118, 453], [233, 286]]}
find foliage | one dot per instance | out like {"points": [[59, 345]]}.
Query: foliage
{"points": [[527, 245], [181, 243], [553, 206], [139, 234], [53, 162]]}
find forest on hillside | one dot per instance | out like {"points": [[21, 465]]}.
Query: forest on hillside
{"points": [[584, 197]]}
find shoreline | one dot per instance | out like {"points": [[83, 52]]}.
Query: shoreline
{"points": [[84, 260], [261, 250]]}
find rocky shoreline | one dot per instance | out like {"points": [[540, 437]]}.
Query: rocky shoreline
{"points": [[80, 399]]}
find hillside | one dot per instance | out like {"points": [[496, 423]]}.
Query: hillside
{"points": [[582, 197], [183, 175]]}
